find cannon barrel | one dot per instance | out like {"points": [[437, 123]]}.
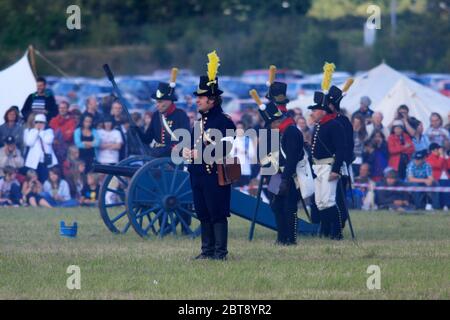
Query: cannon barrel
{"points": [[134, 134], [124, 171]]}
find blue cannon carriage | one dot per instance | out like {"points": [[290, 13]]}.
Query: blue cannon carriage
{"points": [[154, 196]]}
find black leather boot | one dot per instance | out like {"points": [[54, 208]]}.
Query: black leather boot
{"points": [[336, 224], [281, 232], [341, 201], [221, 236], [208, 241], [291, 229], [325, 224]]}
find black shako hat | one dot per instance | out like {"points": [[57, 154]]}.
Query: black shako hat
{"points": [[277, 93], [208, 88], [165, 92], [334, 97], [319, 102], [269, 113]]}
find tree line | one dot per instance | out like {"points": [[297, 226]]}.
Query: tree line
{"points": [[247, 34]]}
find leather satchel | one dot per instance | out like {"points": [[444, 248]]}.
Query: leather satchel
{"points": [[48, 159], [229, 172]]}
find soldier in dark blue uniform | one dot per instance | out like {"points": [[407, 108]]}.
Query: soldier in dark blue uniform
{"points": [[162, 126], [333, 101], [328, 154], [283, 185], [211, 201], [164, 122]]}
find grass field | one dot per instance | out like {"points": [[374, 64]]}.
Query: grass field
{"points": [[413, 252]]}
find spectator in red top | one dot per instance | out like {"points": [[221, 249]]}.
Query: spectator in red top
{"points": [[63, 126], [64, 122], [437, 161], [400, 148], [73, 155]]}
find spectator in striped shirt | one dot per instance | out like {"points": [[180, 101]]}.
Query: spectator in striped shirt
{"points": [[40, 102], [419, 173]]}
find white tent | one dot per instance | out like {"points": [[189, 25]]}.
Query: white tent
{"points": [[388, 89], [420, 102], [302, 102], [16, 83]]}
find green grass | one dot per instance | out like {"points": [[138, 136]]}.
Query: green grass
{"points": [[413, 252]]}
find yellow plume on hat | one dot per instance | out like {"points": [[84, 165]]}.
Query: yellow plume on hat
{"points": [[173, 75], [272, 74], [328, 70], [348, 84], [254, 94], [173, 78], [213, 65]]}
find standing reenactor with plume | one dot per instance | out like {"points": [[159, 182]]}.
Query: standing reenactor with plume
{"points": [[211, 200], [283, 184], [333, 101], [328, 153]]}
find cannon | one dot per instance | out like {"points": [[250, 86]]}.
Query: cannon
{"points": [[151, 195], [154, 195]]}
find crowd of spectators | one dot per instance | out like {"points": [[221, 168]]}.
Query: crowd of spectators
{"points": [[48, 148], [405, 155]]}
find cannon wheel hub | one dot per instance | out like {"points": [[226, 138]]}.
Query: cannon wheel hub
{"points": [[170, 202]]}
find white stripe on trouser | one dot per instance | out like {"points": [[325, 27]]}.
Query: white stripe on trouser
{"points": [[325, 191]]}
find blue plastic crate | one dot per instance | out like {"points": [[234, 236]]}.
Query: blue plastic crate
{"points": [[68, 231]]}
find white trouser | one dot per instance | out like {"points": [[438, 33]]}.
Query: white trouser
{"points": [[325, 191]]}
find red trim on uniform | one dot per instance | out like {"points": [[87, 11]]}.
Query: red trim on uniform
{"points": [[285, 124], [327, 118], [282, 108], [170, 110]]}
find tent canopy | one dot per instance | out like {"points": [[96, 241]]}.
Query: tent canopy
{"points": [[388, 89], [421, 102], [16, 83]]}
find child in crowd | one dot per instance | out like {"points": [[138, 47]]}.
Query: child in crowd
{"points": [[90, 191], [364, 196], [438, 162], [420, 174], [76, 179], [32, 190], [57, 191], [73, 155], [10, 194], [392, 200]]}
